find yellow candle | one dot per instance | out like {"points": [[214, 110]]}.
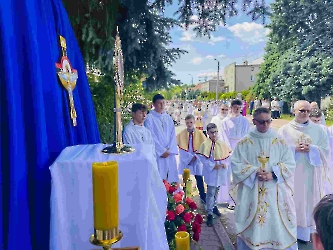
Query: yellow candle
{"points": [[189, 188], [186, 175], [105, 191], [182, 241]]}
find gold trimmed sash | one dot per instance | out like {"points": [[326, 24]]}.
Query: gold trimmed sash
{"points": [[221, 150], [183, 139]]}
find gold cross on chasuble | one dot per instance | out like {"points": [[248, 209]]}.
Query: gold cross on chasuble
{"points": [[68, 77]]}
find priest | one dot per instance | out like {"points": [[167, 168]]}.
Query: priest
{"points": [[163, 131], [265, 211], [234, 128], [310, 146]]}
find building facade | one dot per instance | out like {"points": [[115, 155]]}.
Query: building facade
{"points": [[240, 77], [210, 85]]}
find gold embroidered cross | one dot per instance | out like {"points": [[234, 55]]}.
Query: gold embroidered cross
{"points": [[68, 77]]}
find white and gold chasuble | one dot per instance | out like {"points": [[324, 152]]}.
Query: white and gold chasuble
{"points": [[265, 211], [199, 118]]}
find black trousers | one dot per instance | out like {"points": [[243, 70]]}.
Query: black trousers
{"points": [[200, 186]]}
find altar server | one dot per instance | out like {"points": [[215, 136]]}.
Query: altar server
{"points": [[162, 128], [235, 127], [265, 211], [310, 145], [214, 155], [134, 131], [188, 142]]}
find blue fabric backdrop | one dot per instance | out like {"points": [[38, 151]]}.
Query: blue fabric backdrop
{"points": [[34, 116]]}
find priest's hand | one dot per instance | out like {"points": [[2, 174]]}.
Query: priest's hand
{"points": [[264, 176], [300, 148], [223, 165], [306, 148], [166, 154]]}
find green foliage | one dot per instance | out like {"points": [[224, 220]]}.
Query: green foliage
{"points": [[102, 90], [297, 63]]}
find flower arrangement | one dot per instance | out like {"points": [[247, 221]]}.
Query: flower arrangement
{"points": [[180, 215]]}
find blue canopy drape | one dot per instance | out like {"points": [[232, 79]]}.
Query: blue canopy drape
{"points": [[34, 116]]}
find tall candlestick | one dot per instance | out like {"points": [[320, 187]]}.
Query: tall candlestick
{"points": [[186, 175], [105, 190], [182, 241]]}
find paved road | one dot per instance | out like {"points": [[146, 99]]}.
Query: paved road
{"points": [[222, 235]]}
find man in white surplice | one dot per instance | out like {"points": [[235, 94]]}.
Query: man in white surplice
{"points": [[265, 211], [234, 128], [163, 131], [310, 145], [217, 119]]}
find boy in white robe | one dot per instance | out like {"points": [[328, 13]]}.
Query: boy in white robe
{"points": [[134, 131], [214, 155], [265, 211], [163, 131], [188, 142], [234, 128], [309, 143]]}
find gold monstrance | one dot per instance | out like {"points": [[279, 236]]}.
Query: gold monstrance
{"points": [[118, 65], [68, 77], [263, 159]]}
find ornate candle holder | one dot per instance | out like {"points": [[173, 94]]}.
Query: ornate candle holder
{"points": [[106, 238]]}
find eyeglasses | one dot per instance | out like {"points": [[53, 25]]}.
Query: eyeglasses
{"points": [[303, 111], [224, 109], [263, 122]]}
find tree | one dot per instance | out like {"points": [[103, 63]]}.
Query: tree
{"points": [[296, 53], [145, 31]]}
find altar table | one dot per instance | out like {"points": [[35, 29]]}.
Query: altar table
{"points": [[142, 199]]}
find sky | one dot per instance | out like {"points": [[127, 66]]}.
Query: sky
{"points": [[240, 40]]}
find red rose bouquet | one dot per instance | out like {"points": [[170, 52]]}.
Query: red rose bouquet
{"points": [[180, 215]]}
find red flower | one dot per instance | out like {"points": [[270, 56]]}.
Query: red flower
{"points": [[179, 209], [172, 189], [171, 215], [181, 193], [193, 206], [196, 228], [182, 228], [196, 237], [188, 200], [192, 215], [177, 197], [198, 219], [167, 186], [187, 218]]}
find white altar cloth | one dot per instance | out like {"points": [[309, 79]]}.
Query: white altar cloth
{"points": [[142, 199]]}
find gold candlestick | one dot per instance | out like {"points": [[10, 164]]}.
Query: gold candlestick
{"points": [[106, 238]]}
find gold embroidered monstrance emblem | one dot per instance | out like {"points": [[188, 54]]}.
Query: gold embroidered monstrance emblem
{"points": [[68, 77]]}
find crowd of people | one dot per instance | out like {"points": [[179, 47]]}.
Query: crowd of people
{"points": [[279, 183]]}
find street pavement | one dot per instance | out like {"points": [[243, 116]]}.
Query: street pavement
{"points": [[222, 234]]}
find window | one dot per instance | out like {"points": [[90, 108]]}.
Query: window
{"points": [[252, 68], [252, 78]]}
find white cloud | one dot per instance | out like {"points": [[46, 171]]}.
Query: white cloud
{"points": [[197, 60], [251, 33], [209, 57]]}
